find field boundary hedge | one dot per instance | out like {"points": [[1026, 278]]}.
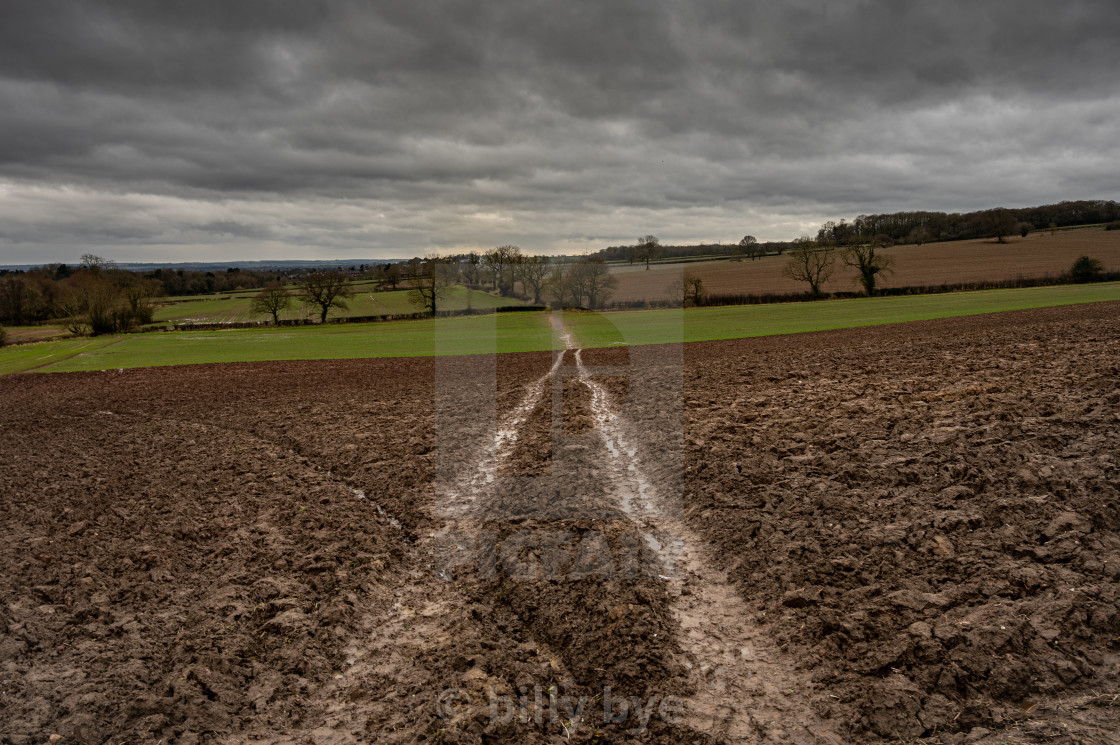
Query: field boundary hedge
{"points": [[800, 297], [382, 318]]}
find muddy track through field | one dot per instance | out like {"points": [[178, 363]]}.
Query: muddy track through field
{"points": [[745, 689], [738, 687]]}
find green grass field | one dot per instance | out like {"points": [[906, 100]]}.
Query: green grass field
{"points": [[43, 354], [513, 332], [742, 321], [523, 332], [235, 308]]}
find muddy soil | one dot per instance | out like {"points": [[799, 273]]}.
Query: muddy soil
{"points": [[928, 513], [900, 532]]}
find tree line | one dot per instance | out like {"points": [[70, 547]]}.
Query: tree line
{"points": [[97, 287], [94, 297], [649, 248], [915, 227], [586, 282], [1000, 223]]}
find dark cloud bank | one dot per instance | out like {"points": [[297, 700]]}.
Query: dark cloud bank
{"points": [[208, 130]]}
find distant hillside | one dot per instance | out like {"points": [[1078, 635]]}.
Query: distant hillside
{"points": [[931, 227], [216, 266], [913, 227]]}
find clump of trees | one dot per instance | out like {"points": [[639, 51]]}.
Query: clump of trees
{"points": [[635, 253], [586, 283], [501, 262], [187, 282], [97, 296], [100, 298]]}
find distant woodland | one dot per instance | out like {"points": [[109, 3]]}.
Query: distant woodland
{"points": [[904, 227]]}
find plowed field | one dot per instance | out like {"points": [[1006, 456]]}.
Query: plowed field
{"points": [[882, 533], [1037, 255]]}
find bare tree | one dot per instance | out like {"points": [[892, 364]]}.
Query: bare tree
{"points": [[271, 299], [90, 303], [868, 261], [809, 262], [140, 294], [591, 278], [492, 265], [693, 289], [559, 286], [1000, 223], [413, 267], [70, 308], [390, 275], [514, 257], [747, 247], [13, 300], [95, 264], [501, 261], [648, 248], [328, 290], [472, 266], [431, 286], [533, 272]]}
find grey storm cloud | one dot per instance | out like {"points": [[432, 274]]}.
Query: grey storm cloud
{"points": [[202, 130]]}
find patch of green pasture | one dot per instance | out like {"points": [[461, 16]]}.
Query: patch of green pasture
{"points": [[593, 329], [742, 321], [502, 332], [32, 356]]}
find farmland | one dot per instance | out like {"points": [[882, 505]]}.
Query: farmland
{"points": [[516, 332], [862, 535], [236, 308], [1037, 255]]}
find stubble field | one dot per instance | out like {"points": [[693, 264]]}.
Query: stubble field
{"points": [[871, 534]]}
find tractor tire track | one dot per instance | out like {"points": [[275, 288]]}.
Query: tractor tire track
{"points": [[745, 689]]}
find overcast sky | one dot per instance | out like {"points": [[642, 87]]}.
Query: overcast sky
{"points": [[211, 129]]}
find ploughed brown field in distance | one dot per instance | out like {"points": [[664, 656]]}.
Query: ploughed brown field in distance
{"points": [[983, 260], [874, 534]]}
